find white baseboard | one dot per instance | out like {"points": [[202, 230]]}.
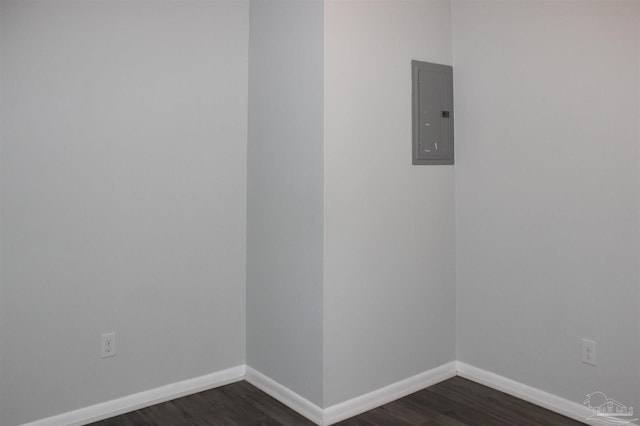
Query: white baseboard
{"points": [[389, 393], [144, 399], [354, 406], [316, 414], [285, 395], [535, 396]]}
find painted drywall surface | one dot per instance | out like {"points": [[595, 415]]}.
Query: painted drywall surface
{"points": [[285, 194], [123, 197], [547, 166], [389, 226], [1, 396]]}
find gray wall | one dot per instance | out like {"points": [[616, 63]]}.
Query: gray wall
{"points": [[1, 57], [128, 196], [547, 192], [123, 197], [285, 194], [389, 226]]}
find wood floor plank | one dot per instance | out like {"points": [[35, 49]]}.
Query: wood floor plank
{"points": [[455, 410], [374, 418], [268, 405], [415, 413], [454, 402], [228, 408], [130, 419], [497, 404]]}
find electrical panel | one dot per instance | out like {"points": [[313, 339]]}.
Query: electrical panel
{"points": [[432, 113]]}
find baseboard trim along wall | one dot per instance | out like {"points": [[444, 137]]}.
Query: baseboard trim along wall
{"points": [[371, 400], [143, 399], [535, 396], [285, 395], [329, 415], [352, 407]]}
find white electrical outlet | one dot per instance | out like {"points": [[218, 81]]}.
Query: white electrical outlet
{"points": [[109, 344], [589, 351]]}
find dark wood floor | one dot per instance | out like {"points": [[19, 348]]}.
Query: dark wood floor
{"points": [[454, 402]]}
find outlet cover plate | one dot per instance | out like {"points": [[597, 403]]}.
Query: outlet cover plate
{"points": [[108, 344], [589, 352]]}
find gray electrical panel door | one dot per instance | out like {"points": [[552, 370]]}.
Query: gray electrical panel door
{"points": [[432, 113]]}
